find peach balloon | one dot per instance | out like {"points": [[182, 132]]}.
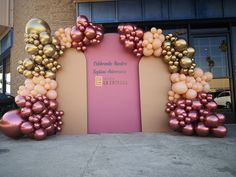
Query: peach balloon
{"points": [[53, 84], [157, 52], [191, 94], [208, 75], [179, 87], [198, 72], [147, 52], [156, 43], [51, 94], [162, 37]]}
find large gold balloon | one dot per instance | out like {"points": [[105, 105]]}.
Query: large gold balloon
{"points": [[191, 52], [180, 45], [27, 74], [31, 49], [49, 50], [185, 62], [37, 26], [28, 64], [45, 38], [38, 59], [50, 74]]}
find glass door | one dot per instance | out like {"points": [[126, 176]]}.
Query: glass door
{"points": [[212, 54]]}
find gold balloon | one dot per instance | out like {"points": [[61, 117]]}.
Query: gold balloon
{"points": [[49, 50], [20, 62], [49, 65], [185, 62], [31, 49], [20, 69], [58, 66], [28, 64], [38, 59], [180, 45], [173, 68], [36, 42], [28, 74], [191, 52], [54, 69], [36, 69], [42, 73], [50, 74], [44, 38], [37, 26], [166, 44]]}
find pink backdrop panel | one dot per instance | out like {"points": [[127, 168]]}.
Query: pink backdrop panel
{"points": [[113, 87]]}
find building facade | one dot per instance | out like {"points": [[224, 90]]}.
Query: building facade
{"points": [[209, 26]]}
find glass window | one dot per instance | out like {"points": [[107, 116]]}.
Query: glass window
{"points": [[180, 32], [212, 55], [1, 77]]}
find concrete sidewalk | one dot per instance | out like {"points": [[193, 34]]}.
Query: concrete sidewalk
{"points": [[120, 155]]}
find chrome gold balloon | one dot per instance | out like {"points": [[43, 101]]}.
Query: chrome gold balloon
{"points": [[50, 74], [191, 52], [180, 45], [49, 50], [20, 69], [28, 64], [31, 49], [185, 62], [45, 38], [37, 26], [38, 59], [28, 74]]}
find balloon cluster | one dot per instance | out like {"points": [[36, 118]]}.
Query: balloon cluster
{"points": [[40, 114], [63, 35], [85, 33], [131, 37], [152, 41], [43, 48], [189, 86], [39, 86], [178, 55], [197, 115]]}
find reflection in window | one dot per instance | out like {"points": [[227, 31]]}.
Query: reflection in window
{"points": [[180, 33], [211, 55], [1, 77]]}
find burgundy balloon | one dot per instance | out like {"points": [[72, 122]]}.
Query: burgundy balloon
{"points": [[174, 124], [53, 104], [219, 131], [188, 129], [26, 128], [211, 105], [40, 134], [221, 117], [25, 112], [76, 35], [50, 130], [90, 32], [45, 122], [38, 107], [20, 101], [10, 124], [201, 129], [212, 121], [83, 20]]}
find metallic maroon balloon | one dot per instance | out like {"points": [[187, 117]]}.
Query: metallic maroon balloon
{"points": [[25, 112], [188, 129], [10, 124], [86, 41], [182, 123], [172, 114], [20, 101], [219, 131], [179, 102], [37, 126], [196, 105], [221, 117], [45, 122], [139, 33], [174, 124], [212, 121], [129, 44], [76, 35], [53, 104], [26, 128], [90, 32], [201, 129], [211, 105], [50, 130], [193, 115], [40, 134], [61, 113], [188, 102], [59, 129], [83, 20], [38, 107], [28, 104], [179, 111], [128, 28]]}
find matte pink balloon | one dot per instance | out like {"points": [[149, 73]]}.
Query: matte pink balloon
{"points": [[201, 129], [219, 131], [10, 124]]}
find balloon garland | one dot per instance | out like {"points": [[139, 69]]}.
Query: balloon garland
{"points": [[190, 108]]}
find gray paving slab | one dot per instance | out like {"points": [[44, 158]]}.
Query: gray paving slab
{"points": [[120, 155]]}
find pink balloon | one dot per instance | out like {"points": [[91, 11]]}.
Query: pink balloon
{"points": [[76, 35], [90, 32], [174, 124]]}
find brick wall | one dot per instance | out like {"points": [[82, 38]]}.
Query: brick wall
{"points": [[58, 13]]}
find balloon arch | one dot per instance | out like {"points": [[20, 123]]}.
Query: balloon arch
{"points": [[191, 108]]}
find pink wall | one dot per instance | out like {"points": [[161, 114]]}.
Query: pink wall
{"points": [[113, 87]]}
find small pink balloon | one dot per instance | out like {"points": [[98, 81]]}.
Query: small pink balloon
{"points": [[219, 131], [20, 101], [201, 129], [26, 128], [188, 129], [212, 121], [90, 32], [76, 35], [174, 124], [40, 134]]}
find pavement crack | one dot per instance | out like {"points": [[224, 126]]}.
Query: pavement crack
{"points": [[89, 161]]}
